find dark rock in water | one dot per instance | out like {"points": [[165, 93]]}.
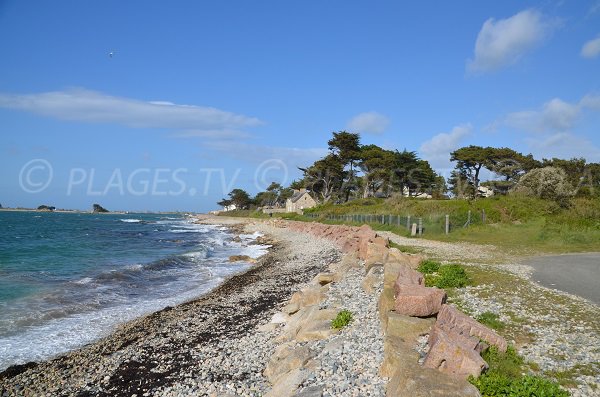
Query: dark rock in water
{"points": [[98, 208], [15, 370], [46, 208]]}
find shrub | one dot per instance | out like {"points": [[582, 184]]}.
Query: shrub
{"points": [[342, 319], [448, 276], [428, 267], [491, 320], [549, 183]]}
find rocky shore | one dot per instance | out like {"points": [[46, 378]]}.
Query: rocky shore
{"points": [[267, 332], [210, 346]]}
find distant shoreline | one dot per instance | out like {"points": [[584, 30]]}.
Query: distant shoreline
{"points": [[63, 211]]}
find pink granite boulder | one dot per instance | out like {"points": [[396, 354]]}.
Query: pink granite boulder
{"points": [[454, 356], [452, 320], [409, 276], [417, 300]]}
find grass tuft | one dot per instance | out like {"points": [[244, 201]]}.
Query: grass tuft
{"points": [[492, 320], [342, 319]]}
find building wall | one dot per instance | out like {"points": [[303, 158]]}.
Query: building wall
{"points": [[305, 201]]}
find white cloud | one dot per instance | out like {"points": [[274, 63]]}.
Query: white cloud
{"points": [[591, 49], [590, 101], [437, 149], [552, 126], [555, 115], [564, 145], [369, 122], [95, 107], [503, 42]]}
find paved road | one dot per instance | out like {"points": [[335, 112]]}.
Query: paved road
{"points": [[578, 274]]}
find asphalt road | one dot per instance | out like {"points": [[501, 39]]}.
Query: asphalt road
{"points": [[578, 274]]}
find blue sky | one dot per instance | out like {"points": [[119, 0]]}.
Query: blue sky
{"points": [[200, 97]]}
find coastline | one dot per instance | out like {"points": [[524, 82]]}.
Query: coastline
{"points": [[160, 350], [267, 331]]}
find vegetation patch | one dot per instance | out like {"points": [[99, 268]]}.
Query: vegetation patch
{"points": [[342, 319], [428, 266], [491, 320], [566, 378], [405, 248], [447, 276], [504, 378]]}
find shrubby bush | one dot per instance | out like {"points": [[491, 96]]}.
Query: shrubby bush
{"points": [[548, 183]]}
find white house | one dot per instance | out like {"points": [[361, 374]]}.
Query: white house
{"points": [[229, 207], [485, 191], [406, 193]]}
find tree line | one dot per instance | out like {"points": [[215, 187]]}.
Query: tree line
{"points": [[352, 170]]}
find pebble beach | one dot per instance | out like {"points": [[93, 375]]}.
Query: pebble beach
{"points": [[221, 343]]}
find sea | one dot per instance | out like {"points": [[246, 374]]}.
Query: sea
{"points": [[68, 279]]}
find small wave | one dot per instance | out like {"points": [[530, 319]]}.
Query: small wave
{"points": [[85, 280], [196, 255], [255, 251], [130, 220], [252, 236], [199, 230]]}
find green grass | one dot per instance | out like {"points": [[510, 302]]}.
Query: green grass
{"points": [[446, 277], [505, 378], [428, 266], [405, 248], [342, 319], [547, 308], [521, 225], [565, 378], [492, 320]]}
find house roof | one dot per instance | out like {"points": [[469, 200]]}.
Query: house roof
{"points": [[297, 196]]}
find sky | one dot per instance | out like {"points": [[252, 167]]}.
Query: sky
{"points": [[155, 105]]}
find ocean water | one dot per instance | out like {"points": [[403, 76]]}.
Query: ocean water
{"points": [[68, 279]]}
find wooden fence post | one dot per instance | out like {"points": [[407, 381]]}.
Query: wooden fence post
{"points": [[447, 224]]}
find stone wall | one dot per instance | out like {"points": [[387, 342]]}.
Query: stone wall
{"points": [[408, 311]]}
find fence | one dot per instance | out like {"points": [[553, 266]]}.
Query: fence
{"points": [[417, 225]]}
